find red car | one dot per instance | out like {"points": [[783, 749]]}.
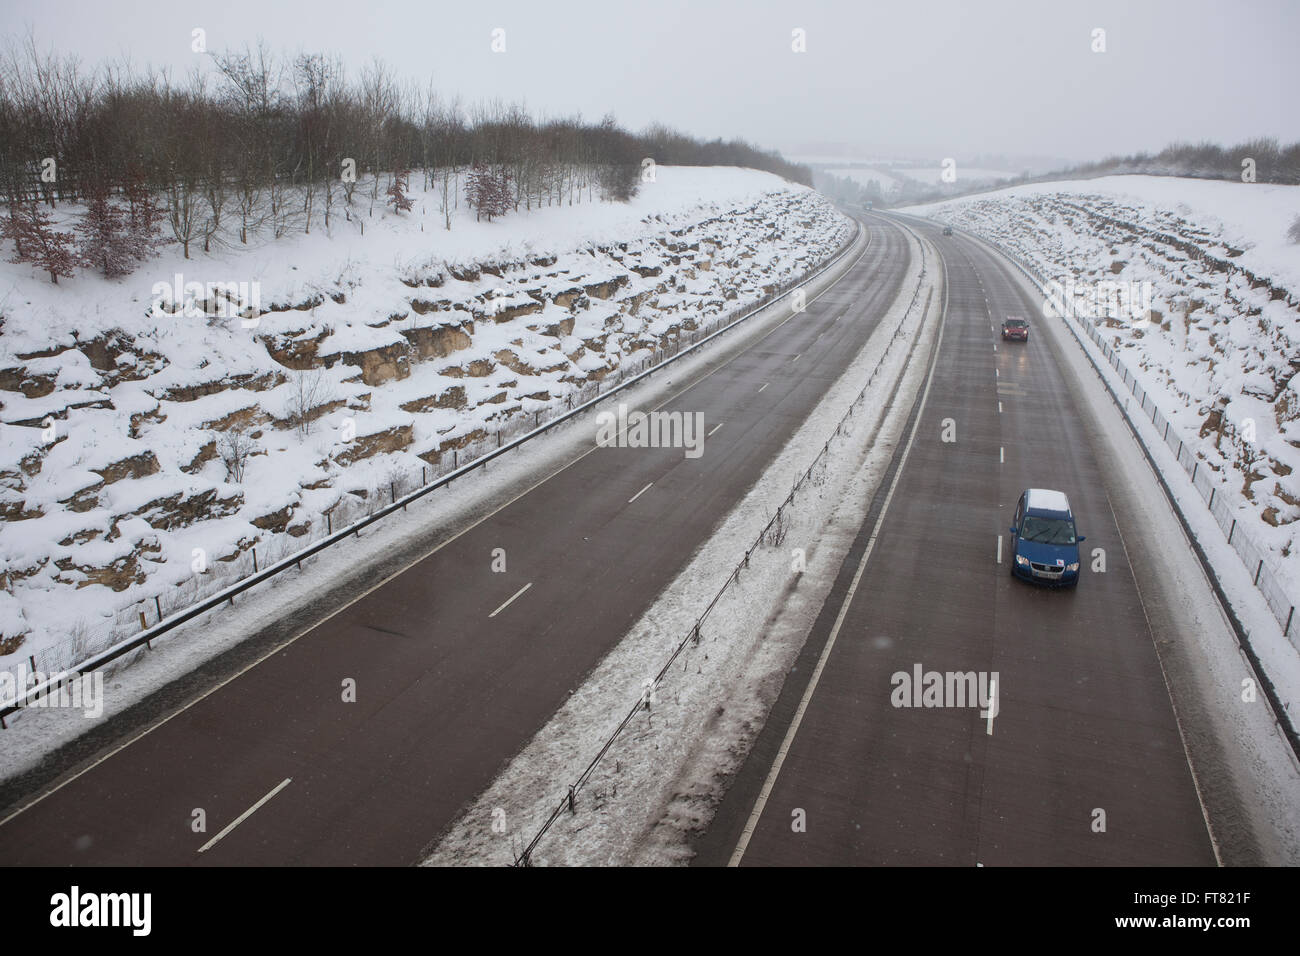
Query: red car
{"points": [[1014, 327]]}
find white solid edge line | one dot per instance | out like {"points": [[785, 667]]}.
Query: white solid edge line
{"points": [[752, 824], [511, 599], [246, 814]]}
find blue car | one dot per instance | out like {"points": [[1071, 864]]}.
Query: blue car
{"points": [[1044, 540]]}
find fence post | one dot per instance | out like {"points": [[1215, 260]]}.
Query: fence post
{"points": [[1289, 614], [254, 550], [1257, 570], [1231, 530]]}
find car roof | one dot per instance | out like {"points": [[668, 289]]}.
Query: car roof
{"points": [[1047, 500], [1015, 318]]}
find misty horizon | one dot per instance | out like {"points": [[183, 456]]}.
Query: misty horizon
{"points": [[1038, 87]]}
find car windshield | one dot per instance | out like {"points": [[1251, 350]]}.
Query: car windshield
{"points": [[1015, 323], [1047, 530]]}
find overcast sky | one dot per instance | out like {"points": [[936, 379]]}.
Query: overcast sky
{"points": [[947, 78]]}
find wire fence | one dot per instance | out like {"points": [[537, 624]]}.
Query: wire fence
{"points": [[114, 639], [771, 533]]}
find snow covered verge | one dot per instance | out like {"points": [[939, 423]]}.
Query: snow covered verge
{"points": [[660, 782], [350, 367], [1195, 288]]}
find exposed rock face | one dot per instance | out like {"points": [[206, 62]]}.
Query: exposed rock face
{"points": [[181, 510], [388, 440], [604, 290], [510, 312], [119, 575], [560, 329], [437, 341], [295, 352], [453, 397], [382, 364], [541, 315], [136, 466]]}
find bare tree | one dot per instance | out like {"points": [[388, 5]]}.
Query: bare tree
{"points": [[310, 390], [234, 446]]}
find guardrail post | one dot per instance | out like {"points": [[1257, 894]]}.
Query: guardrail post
{"points": [[157, 607], [1210, 503], [1257, 570], [1289, 614], [1231, 530], [254, 550]]}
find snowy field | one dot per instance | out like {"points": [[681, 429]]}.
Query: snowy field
{"points": [[354, 366]]}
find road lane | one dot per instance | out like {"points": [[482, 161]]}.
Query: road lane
{"points": [[443, 695], [1084, 725]]}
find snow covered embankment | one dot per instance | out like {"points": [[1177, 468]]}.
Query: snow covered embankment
{"points": [[1221, 348], [347, 390]]}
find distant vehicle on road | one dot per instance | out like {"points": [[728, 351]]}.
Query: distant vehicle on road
{"points": [[947, 230], [1015, 328], [1044, 539]]}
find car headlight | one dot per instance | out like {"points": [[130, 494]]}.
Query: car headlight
{"points": [[1021, 559], [1072, 567]]}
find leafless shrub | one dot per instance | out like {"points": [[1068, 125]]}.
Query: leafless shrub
{"points": [[234, 447], [311, 389]]}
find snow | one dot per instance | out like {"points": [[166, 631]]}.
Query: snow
{"points": [[177, 384], [33, 733], [1048, 500]]}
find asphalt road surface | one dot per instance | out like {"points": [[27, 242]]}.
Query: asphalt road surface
{"points": [[455, 666], [1084, 764]]}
